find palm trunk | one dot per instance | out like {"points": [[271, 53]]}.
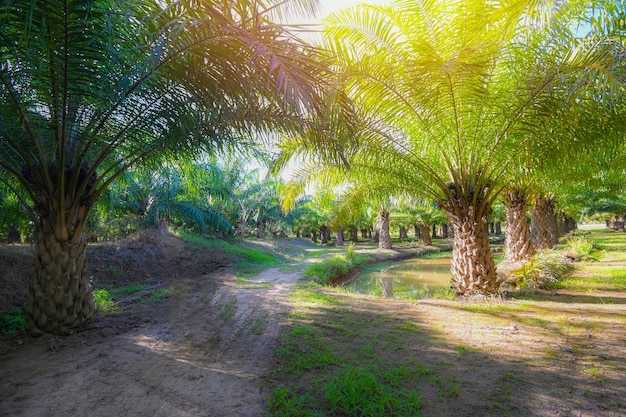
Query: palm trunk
{"points": [[376, 235], [384, 241], [473, 268], [553, 222], [339, 238], [517, 240], [60, 299], [417, 232], [403, 235], [354, 235], [324, 234], [425, 234], [539, 224]]}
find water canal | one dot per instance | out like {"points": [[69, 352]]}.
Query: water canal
{"points": [[412, 278]]}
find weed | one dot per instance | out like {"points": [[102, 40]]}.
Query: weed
{"points": [[158, 295], [228, 310], [410, 327], [581, 248], [104, 300], [192, 377], [544, 270], [258, 326], [13, 321], [361, 392], [285, 404]]}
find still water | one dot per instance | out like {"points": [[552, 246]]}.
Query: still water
{"points": [[412, 278]]}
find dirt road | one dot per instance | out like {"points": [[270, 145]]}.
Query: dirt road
{"points": [[204, 351]]}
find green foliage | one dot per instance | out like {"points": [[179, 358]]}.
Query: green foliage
{"points": [[329, 269], [283, 403], [544, 270], [106, 299], [12, 321], [363, 392], [248, 259], [582, 248]]}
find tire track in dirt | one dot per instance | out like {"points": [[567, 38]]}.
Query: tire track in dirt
{"points": [[191, 358]]}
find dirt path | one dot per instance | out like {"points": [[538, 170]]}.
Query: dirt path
{"points": [[205, 351]]}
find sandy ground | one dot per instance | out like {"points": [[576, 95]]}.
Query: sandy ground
{"points": [[205, 350]]}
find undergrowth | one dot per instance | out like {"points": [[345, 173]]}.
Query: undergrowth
{"points": [[329, 269], [12, 321]]}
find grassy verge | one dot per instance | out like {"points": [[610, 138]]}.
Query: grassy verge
{"points": [[535, 354]]}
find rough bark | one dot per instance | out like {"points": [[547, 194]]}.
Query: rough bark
{"points": [[325, 234], [339, 237], [473, 269], [403, 235], [60, 299], [384, 241], [539, 224], [552, 221], [425, 234], [517, 239], [354, 235], [376, 235], [314, 236]]}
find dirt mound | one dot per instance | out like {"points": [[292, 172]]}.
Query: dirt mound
{"points": [[16, 271], [152, 255]]}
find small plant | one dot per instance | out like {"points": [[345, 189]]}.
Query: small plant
{"points": [[350, 252], [104, 300], [228, 310], [361, 392], [13, 321], [544, 270], [580, 248]]}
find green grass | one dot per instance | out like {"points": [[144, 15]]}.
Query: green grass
{"points": [[12, 321], [106, 299], [247, 259]]}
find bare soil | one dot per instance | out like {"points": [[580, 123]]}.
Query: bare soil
{"points": [[207, 347]]}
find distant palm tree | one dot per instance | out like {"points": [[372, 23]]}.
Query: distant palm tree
{"points": [[88, 90]]}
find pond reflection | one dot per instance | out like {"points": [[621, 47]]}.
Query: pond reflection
{"points": [[413, 278]]}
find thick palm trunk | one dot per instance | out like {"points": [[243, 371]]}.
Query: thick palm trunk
{"points": [[384, 240], [354, 235], [540, 233], [60, 299], [425, 234], [473, 268], [517, 239]]}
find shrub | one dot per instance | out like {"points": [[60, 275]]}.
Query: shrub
{"points": [[581, 248], [542, 271], [12, 321], [329, 269]]}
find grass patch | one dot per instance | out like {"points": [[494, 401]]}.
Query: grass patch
{"points": [[12, 321], [247, 259], [107, 299]]}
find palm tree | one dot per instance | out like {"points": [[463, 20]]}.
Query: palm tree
{"points": [[445, 94], [87, 91]]}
